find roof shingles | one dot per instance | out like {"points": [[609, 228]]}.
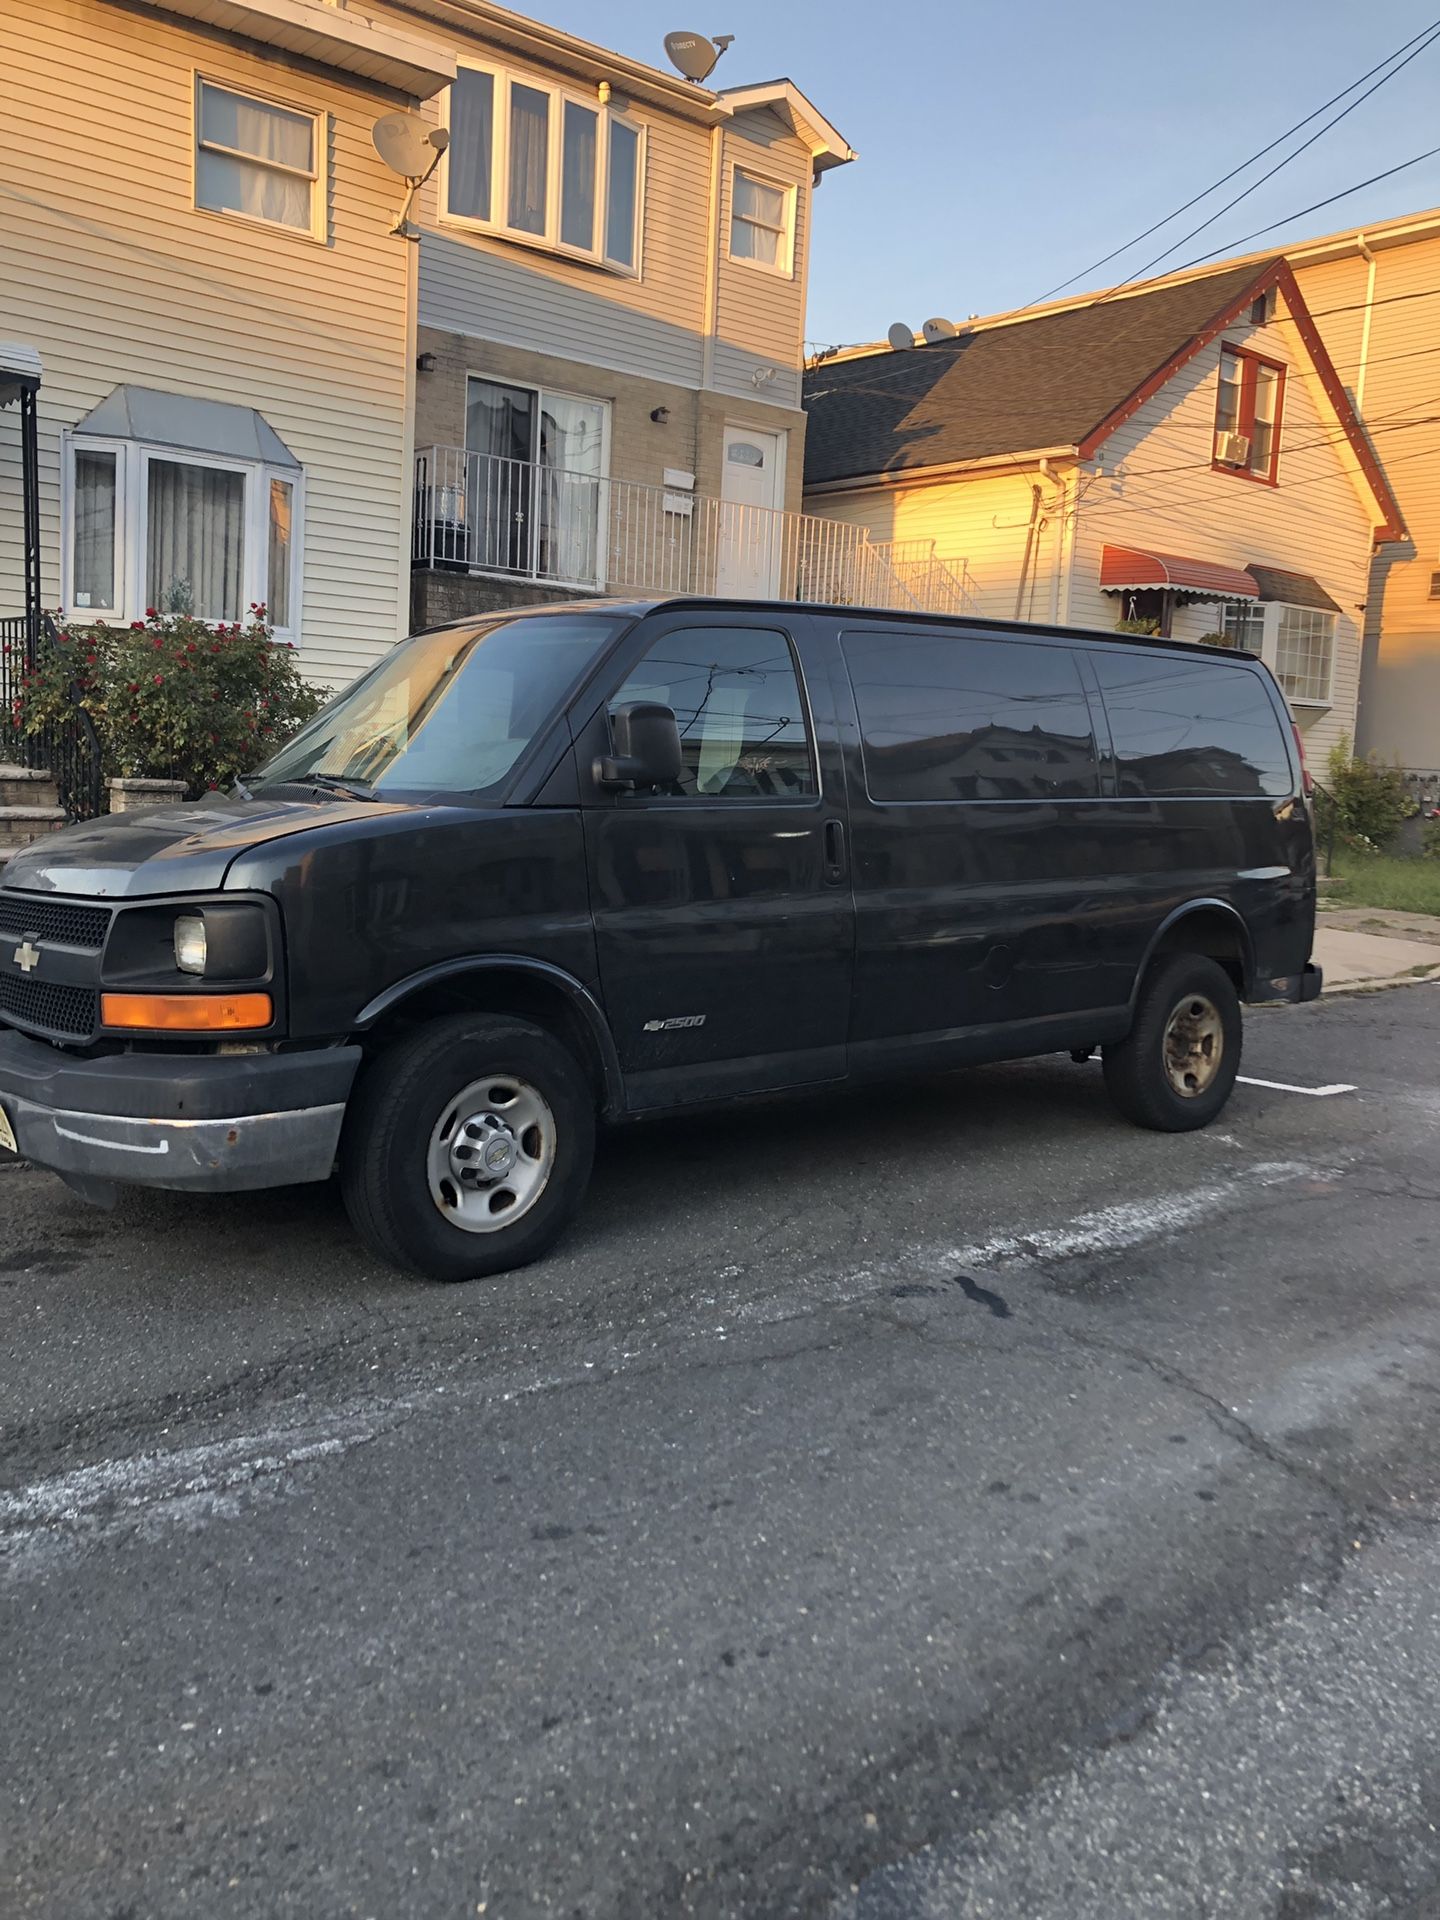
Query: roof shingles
{"points": [[1020, 387]]}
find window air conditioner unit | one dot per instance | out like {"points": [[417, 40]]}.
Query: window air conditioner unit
{"points": [[1232, 449]]}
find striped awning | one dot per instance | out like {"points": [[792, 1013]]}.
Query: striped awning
{"points": [[1126, 569]]}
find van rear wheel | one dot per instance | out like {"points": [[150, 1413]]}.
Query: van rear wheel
{"points": [[1176, 1067], [468, 1147]]}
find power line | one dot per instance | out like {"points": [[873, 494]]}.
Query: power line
{"points": [[1230, 245], [1214, 186], [1431, 34]]}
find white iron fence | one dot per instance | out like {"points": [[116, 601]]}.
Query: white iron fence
{"points": [[519, 518]]}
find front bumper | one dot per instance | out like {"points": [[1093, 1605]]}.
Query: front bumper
{"points": [[1290, 989], [204, 1123]]}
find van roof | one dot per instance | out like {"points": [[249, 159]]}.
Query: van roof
{"points": [[960, 622]]}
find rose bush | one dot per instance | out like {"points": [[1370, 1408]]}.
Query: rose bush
{"points": [[172, 697]]}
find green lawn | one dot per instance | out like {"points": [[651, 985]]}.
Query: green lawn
{"points": [[1379, 880]]}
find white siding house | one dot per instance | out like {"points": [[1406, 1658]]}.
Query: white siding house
{"points": [[197, 239]]}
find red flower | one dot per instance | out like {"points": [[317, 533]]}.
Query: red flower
{"points": [[190, 646], [158, 645], [159, 679], [134, 687], [152, 613], [138, 626]]}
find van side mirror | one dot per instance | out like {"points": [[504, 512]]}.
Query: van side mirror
{"points": [[646, 739]]}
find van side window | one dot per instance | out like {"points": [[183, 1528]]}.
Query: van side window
{"points": [[1191, 727], [951, 717], [736, 695]]}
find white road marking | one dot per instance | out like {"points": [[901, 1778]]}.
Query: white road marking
{"points": [[194, 1485], [1283, 1086]]}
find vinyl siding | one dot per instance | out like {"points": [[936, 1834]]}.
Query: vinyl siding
{"points": [[473, 282], [1400, 710], [760, 316], [116, 278], [983, 522]]}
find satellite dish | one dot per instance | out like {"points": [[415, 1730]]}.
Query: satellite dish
{"points": [[693, 55], [939, 329], [406, 145], [901, 336]]}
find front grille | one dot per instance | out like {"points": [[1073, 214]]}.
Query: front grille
{"points": [[62, 1013], [59, 920]]}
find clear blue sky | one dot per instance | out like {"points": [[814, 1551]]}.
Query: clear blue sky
{"points": [[1005, 144]]}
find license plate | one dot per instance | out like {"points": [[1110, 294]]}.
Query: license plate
{"points": [[7, 1133]]}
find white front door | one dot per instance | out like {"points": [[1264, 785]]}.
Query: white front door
{"points": [[752, 492]]}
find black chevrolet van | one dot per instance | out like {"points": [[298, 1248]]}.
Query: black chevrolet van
{"points": [[546, 869]]}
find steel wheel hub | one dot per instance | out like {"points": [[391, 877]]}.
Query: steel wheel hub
{"points": [[1194, 1046], [491, 1154]]}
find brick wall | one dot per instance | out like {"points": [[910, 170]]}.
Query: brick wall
{"points": [[437, 597], [640, 448]]}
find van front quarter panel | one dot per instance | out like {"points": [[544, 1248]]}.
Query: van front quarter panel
{"points": [[372, 908]]}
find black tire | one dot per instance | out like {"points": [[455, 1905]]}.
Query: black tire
{"points": [[1136, 1074], [403, 1097]]}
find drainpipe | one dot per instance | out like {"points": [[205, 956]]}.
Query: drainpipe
{"points": [[1367, 255], [1036, 498]]}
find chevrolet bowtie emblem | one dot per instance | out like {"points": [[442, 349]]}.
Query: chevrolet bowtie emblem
{"points": [[27, 956]]}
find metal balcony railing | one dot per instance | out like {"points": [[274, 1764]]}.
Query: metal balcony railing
{"points": [[524, 520]]}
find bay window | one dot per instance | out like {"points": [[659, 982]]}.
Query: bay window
{"points": [[154, 526], [545, 166], [1247, 415], [1297, 644]]}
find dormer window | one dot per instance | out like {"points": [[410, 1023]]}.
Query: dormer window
{"points": [[553, 169], [1247, 415]]}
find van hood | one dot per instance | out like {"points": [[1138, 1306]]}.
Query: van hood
{"points": [[181, 849]]}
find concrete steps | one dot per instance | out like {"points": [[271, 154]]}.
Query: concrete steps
{"points": [[29, 808]]}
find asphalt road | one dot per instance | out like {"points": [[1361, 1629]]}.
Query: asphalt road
{"points": [[939, 1501]]}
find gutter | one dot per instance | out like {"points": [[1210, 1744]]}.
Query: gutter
{"points": [[933, 476]]}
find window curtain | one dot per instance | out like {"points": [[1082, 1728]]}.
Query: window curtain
{"points": [[529, 158], [472, 143], [577, 182], [572, 451], [622, 192], [94, 556], [759, 221], [268, 134], [282, 531], [499, 438], [195, 540]]}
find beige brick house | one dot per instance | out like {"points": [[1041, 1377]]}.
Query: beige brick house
{"points": [[612, 268]]}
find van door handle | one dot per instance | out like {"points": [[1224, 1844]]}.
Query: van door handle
{"points": [[834, 852]]}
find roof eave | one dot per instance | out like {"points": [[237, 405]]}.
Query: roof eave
{"points": [[373, 52], [828, 146]]}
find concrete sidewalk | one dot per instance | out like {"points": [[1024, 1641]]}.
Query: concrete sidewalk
{"points": [[1353, 959]]}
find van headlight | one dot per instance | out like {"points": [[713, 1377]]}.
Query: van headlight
{"points": [[190, 944]]}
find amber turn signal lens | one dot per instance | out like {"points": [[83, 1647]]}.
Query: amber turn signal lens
{"points": [[187, 1012]]}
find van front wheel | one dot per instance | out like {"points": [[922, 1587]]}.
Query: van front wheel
{"points": [[468, 1147], [1176, 1067]]}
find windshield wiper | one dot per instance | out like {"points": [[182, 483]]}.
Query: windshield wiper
{"points": [[334, 783]]}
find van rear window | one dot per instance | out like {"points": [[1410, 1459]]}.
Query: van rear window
{"points": [[950, 717], [1191, 727]]}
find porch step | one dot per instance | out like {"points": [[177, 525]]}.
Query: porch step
{"points": [[21, 826], [26, 787]]}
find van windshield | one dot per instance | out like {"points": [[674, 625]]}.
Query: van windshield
{"points": [[446, 712]]}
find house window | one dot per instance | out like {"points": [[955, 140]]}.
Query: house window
{"points": [[1305, 654], [762, 222], [255, 159], [1243, 624], [536, 465], [151, 527], [1247, 414], [538, 164]]}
